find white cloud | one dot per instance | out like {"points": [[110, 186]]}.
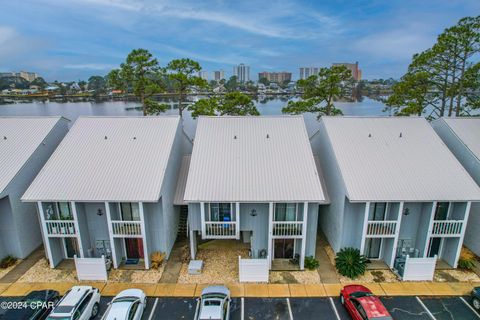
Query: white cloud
{"points": [[397, 44], [255, 21]]}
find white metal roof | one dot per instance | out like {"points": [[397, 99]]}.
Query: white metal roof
{"points": [[396, 159], [182, 181], [19, 138], [108, 159], [252, 159], [468, 131]]}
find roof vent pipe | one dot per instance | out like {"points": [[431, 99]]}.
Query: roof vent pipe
{"points": [[234, 137], [4, 138], [268, 136], [369, 135], [400, 135], [105, 137]]}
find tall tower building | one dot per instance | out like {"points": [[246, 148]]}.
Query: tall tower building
{"points": [[306, 72], [353, 67], [242, 72], [218, 75]]}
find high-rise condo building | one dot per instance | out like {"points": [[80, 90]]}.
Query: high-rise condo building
{"points": [[218, 75], [306, 72], [353, 67], [242, 72], [203, 75], [278, 77]]}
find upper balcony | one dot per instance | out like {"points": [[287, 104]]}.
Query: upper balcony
{"points": [[447, 228], [61, 228], [126, 229], [287, 229], [381, 229], [220, 230]]}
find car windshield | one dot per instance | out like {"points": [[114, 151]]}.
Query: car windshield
{"points": [[211, 302], [125, 299], [63, 309], [382, 318], [360, 294]]}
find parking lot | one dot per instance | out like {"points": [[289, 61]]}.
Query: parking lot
{"points": [[440, 308]]}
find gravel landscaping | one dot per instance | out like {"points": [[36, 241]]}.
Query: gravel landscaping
{"points": [[41, 272], [303, 277], [220, 266]]}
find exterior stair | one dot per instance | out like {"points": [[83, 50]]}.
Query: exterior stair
{"points": [[182, 224]]}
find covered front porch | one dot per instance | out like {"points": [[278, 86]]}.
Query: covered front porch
{"points": [[276, 231], [395, 232], [94, 229]]}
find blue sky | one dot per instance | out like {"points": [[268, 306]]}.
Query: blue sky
{"points": [[73, 39]]}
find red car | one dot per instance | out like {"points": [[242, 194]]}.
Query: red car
{"points": [[362, 304]]}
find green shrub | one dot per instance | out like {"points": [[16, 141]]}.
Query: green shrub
{"points": [[350, 263], [7, 261], [466, 264], [311, 263]]}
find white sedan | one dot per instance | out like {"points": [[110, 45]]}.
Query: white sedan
{"points": [[214, 304], [128, 304]]}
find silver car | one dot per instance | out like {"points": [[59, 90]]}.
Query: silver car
{"points": [[214, 304], [127, 305]]}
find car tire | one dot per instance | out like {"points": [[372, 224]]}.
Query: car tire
{"points": [[476, 303], [94, 310], [342, 299]]}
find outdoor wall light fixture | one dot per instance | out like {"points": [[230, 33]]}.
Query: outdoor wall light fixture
{"points": [[406, 211], [100, 212], [253, 213]]}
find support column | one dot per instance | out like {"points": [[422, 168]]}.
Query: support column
{"points": [[397, 234], [364, 228], [77, 228], [304, 235], [46, 238], [430, 226], [202, 218], [193, 244], [462, 235], [237, 220], [110, 235], [270, 233], [146, 257]]}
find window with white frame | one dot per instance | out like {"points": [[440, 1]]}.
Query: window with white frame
{"points": [[58, 211], [130, 211], [286, 212], [378, 211], [220, 211]]}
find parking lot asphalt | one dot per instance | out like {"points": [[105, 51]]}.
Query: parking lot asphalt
{"points": [[401, 308]]}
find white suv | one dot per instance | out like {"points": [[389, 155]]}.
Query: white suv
{"points": [[79, 303]]}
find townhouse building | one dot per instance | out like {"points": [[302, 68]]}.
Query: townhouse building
{"points": [[25, 145], [108, 190], [254, 179], [462, 137], [395, 189]]}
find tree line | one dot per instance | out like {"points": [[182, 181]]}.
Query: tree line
{"points": [[443, 80]]}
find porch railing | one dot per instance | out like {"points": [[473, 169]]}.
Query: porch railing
{"points": [[126, 228], [447, 227], [287, 228], [381, 228], [217, 229], [60, 228]]}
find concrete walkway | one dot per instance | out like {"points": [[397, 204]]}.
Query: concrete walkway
{"points": [[326, 269], [174, 263], [251, 289], [21, 268]]}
